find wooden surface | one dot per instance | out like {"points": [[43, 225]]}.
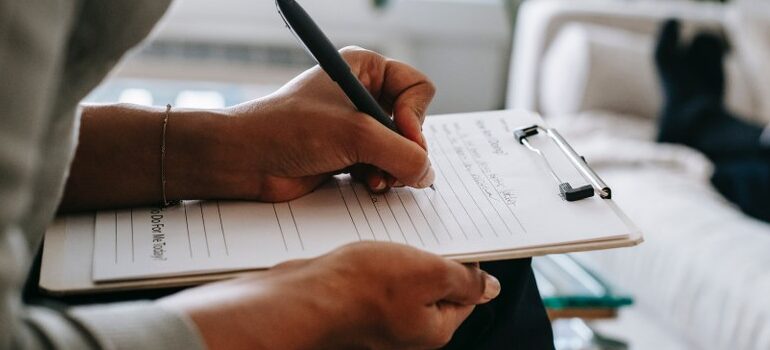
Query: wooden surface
{"points": [[586, 314]]}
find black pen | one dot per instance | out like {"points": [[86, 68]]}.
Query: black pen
{"points": [[322, 50], [330, 60]]}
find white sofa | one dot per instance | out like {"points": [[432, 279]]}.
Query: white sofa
{"points": [[703, 275]]}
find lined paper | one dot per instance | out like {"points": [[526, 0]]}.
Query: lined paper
{"points": [[492, 195]]}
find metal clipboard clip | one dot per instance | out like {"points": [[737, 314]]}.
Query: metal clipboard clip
{"points": [[568, 192]]}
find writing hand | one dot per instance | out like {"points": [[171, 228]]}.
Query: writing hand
{"points": [[271, 149], [289, 142]]}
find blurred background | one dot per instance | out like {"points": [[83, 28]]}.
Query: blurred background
{"points": [[218, 53], [700, 280]]}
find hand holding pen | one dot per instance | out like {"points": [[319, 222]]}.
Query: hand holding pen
{"points": [[286, 144], [322, 50]]}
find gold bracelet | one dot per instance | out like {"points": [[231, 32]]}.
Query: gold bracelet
{"points": [[166, 202]]}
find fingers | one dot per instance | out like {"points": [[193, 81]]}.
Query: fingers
{"points": [[375, 180], [469, 285], [279, 189], [413, 92], [421, 298], [291, 264], [377, 145], [465, 286], [391, 80]]}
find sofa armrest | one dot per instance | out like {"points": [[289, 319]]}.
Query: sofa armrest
{"points": [[540, 20]]}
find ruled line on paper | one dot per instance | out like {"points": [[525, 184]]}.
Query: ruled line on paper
{"points": [[363, 212], [465, 187], [205, 231], [347, 208], [465, 145], [187, 226], [449, 208], [296, 228], [133, 248], [280, 227], [116, 237], [424, 218], [438, 215], [416, 231], [454, 193], [382, 221], [222, 228], [390, 208]]}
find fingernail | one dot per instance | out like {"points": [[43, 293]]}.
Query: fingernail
{"points": [[428, 179], [398, 184], [491, 288], [380, 185]]}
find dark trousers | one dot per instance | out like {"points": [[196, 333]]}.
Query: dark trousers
{"points": [[692, 76], [745, 181], [741, 161], [515, 320]]}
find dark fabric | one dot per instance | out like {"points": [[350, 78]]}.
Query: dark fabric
{"points": [[694, 114], [515, 320], [746, 182]]}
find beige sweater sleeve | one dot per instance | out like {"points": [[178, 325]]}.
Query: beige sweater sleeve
{"points": [[51, 54]]}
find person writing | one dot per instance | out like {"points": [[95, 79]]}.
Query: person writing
{"points": [[56, 155]]}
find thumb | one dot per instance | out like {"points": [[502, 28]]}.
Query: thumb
{"points": [[470, 285], [393, 153]]}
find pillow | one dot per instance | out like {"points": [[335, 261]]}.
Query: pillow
{"points": [[593, 67], [749, 26]]}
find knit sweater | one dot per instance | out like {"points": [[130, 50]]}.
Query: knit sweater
{"points": [[52, 53]]}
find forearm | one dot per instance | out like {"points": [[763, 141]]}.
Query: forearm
{"points": [[118, 158]]}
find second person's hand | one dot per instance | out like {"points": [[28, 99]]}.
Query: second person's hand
{"points": [[361, 296]]}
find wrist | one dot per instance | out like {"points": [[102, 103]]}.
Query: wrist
{"points": [[202, 156], [249, 314]]}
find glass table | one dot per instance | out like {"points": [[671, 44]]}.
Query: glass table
{"points": [[574, 296]]}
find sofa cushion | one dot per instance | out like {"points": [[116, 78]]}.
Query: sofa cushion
{"points": [[748, 24], [593, 67]]}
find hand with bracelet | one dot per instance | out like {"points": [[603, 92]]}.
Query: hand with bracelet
{"points": [[280, 147]]}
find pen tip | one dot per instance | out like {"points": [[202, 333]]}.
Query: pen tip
{"points": [[433, 187]]}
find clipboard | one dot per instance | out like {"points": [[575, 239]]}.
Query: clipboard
{"points": [[67, 259]]}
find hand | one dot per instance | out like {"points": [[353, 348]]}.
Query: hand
{"points": [[288, 143], [364, 295], [272, 149]]}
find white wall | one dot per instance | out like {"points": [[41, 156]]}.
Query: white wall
{"points": [[461, 45]]}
